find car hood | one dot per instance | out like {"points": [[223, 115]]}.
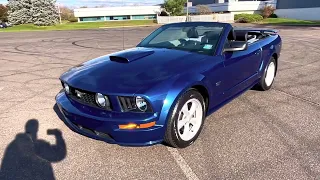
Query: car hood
{"points": [[130, 70]]}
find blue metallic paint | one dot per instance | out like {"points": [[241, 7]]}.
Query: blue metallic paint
{"points": [[160, 76]]}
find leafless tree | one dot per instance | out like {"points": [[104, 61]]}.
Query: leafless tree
{"points": [[203, 10]]}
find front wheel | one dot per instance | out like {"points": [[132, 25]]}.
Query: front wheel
{"points": [[268, 76], [186, 120]]}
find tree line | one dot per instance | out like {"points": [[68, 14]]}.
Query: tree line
{"points": [[176, 7], [37, 12], [45, 12]]}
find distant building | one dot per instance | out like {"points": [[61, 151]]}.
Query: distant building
{"points": [[117, 13], [299, 9], [293, 4], [232, 6], [198, 2], [296, 9]]}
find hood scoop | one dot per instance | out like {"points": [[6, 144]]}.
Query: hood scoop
{"points": [[119, 59], [131, 55]]}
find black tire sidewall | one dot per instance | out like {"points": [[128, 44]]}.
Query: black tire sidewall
{"points": [[175, 139]]}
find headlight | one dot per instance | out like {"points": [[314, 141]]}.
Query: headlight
{"points": [[102, 101], [66, 88], [141, 104]]}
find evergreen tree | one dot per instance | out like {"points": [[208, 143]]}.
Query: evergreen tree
{"points": [[44, 12], [19, 11], [38, 12]]}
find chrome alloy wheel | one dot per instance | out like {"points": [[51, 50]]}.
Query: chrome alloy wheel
{"points": [[270, 74], [190, 119]]}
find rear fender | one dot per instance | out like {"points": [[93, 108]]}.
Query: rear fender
{"points": [[269, 50]]}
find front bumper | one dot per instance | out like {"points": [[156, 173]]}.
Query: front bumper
{"points": [[104, 126]]}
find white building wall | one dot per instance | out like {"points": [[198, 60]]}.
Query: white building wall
{"points": [[117, 11], [220, 1], [236, 6], [208, 18], [300, 13]]}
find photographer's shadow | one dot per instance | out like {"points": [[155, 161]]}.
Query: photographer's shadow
{"points": [[27, 157]]}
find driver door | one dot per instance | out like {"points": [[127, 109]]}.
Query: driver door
{"points": [[241, 68]]}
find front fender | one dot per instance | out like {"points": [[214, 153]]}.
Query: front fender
{"points": [[178, 87]]}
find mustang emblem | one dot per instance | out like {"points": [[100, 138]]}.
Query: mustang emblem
{"points": [[79, 94]]}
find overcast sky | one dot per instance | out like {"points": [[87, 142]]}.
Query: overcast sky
{"points": [[92, 3]]}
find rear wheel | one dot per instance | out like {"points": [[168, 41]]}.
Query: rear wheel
{"points": [[268, 76], [186, 120]]}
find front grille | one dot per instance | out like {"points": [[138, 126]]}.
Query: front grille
{"points": [[84, 97], [127, 103]]}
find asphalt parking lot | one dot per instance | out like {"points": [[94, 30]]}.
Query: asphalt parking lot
{"points": [[260, 135]]}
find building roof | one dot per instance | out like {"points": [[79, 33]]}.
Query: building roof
{"points": [[117, 11]]}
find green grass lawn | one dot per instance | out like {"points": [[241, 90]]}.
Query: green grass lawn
{"points": [[72, 26], [285, 21]]}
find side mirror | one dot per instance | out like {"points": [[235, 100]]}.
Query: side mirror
{"points": [[236, 46]]}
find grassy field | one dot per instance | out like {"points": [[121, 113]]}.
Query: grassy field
{"points": [[95, 25], [72, 26], [285, 21]]}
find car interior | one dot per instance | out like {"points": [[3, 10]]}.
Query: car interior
{"points": [[249, 36], [204, 40], [244, 36], [212, 37]]}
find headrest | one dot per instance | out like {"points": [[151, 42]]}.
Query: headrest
{"points": [[192, 33], [242, 36], [231, 36], [211, 33], [210, 36]]}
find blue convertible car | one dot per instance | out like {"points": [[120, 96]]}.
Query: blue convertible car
{"points": [[163, 89]]}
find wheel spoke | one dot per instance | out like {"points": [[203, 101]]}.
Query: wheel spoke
{"points": [[182, 123], [193, 121], [193, 109], [184, 110], [189, 131]]}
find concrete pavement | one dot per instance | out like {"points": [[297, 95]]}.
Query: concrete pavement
{"points": [[260, 135]]}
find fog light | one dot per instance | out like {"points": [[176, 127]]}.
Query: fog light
{"points": [[141, 103], [129, 126], [102, 100]]}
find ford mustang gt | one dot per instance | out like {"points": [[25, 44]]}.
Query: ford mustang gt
{"points": [[163, 89]]}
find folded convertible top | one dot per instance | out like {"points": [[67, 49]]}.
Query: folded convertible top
{"points": [[261, 30]]}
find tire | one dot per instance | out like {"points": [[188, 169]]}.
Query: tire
{"points": [[178, 135], [268, 76]]}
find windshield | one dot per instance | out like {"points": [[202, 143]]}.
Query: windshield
{"points": [[187, 37]]}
